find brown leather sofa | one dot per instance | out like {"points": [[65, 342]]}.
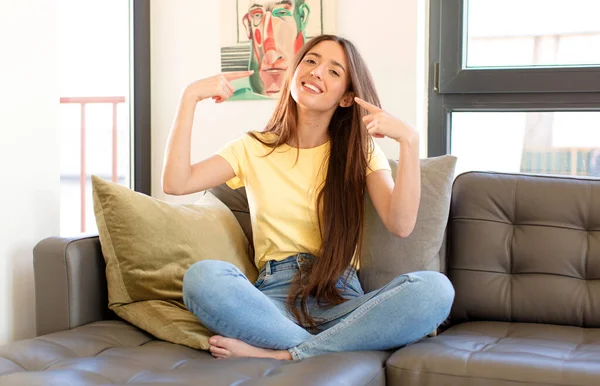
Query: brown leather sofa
{"points": [[523, 253]]}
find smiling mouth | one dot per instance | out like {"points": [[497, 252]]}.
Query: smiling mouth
{"points": [[312, 87]]}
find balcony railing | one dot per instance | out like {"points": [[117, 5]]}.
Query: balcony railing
{"points": [[83, 102], [564, 161]]}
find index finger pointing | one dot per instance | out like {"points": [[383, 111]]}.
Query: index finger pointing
{"points": [[370, 108], [237, 74]]}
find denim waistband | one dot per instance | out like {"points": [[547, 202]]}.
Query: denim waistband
{"points": [[297, 261]]}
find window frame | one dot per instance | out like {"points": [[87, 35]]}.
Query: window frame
{"points": [[140, 96], [453, 88], [455, 77]]}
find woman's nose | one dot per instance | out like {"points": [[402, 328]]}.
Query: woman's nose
{"points": [[316, 72]]}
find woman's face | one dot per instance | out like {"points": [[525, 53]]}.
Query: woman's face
{"points": [[321, 79]]}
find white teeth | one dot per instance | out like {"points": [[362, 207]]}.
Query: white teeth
{"points": [[310, 86]]}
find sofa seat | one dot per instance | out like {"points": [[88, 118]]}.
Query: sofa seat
{"points": [[500, 353], [115, 353]]}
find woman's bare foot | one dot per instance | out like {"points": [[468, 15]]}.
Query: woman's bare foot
{"points": [[221, 347]]}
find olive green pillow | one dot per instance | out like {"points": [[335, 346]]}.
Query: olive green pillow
{"points": [[149, 244]]}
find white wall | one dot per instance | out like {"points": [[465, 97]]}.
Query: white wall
{"points": [[390, 34], [29, 155]]}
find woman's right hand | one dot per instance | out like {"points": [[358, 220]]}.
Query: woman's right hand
{"points": [[217, 87]]}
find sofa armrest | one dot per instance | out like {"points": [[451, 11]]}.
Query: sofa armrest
{"points": [[70, 283]]}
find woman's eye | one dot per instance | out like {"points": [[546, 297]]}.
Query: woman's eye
{"points": [[334, 73], [310, 61]]}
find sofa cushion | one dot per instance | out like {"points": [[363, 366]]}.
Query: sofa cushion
{"points": [[500, 353], [525, 249], [148, 245], [386, 256], [116, 353]]}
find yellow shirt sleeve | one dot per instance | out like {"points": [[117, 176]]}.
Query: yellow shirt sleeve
{"points": [[377, 160], [233, 153]]}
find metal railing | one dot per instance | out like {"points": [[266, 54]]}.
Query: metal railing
{"points": [[564, 161], [83, 102]]}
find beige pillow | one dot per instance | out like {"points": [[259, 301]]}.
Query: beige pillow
{"points": [[149, 244], [385, 256]]}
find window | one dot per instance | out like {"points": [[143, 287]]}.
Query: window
{"points": [[104, 120], [515, 85]]}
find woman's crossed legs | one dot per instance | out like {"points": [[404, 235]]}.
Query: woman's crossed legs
{"points": [[251, 319]]}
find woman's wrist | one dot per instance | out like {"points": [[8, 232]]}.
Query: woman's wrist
{"points": [[410, 141], [188, 97]]}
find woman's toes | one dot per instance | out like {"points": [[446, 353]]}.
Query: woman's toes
{"points": [[215, 350], [226, 342], [214, 340], [217, 356]]}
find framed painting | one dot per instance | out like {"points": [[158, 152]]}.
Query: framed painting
{"points": [[264, 36]]}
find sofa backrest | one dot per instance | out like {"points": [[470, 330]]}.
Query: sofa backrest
{"points": [[525, 248]]}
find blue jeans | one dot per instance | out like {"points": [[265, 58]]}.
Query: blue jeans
{"points": [[403, 311]]}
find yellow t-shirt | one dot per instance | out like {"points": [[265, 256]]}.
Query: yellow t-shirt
{"points": [[282, 193]]}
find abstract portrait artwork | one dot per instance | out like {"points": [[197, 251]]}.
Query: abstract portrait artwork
{"points": [[264, 36]]}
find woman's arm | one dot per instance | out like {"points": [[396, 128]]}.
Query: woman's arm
{"points": [[179, 177], [396, 203]]}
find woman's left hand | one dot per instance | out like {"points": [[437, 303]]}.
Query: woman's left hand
{"points": [[382, 124]]}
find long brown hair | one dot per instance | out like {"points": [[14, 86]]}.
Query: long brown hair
{"points": [[341, 200]]}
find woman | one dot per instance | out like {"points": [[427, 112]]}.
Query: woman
{"points": [[305, 177]]}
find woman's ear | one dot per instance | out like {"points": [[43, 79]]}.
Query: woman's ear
{"points": [[347, 100]]}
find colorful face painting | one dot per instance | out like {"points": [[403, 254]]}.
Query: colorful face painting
{"points": [[276, 31], [268, 34]]}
